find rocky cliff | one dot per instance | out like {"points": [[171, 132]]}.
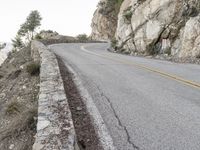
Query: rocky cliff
{"points": [[104, 23], [146, 27]]}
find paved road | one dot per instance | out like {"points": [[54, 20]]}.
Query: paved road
{"points": [[146, 104]]}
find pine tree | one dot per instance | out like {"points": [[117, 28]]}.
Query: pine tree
{"points": [[2, 46], [27, 29], [17, 42]]}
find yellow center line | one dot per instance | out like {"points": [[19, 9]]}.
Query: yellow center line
{"points": [[164, 74]]}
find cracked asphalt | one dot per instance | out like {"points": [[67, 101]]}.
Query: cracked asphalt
{"points": [[143, 109]]}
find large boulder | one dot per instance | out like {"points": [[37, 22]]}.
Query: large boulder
{"points": [[191, 39]]}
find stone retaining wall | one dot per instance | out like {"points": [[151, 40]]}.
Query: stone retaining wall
{"points": [[55, 129]]}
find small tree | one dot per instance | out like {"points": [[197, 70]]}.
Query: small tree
{"points": [[27, 29], [114, 43], [17, 42], [38, 37], [2, 46], [82, 37]]}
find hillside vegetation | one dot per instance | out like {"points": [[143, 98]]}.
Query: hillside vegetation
{"points": [[18, 102]]}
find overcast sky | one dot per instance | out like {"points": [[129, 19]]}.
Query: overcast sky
{"points": [[67, 17]]}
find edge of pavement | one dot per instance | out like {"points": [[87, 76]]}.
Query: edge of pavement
{"points": [[105, 138]]}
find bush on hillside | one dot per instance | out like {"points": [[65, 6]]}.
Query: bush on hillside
{"points": [[38, 37], [33, 69], [128, 14], [82, 37], [13, 107], [114, 43], [2, 46], [17, 42]]}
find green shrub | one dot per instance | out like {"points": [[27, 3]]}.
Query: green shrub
{"points": [[33, 69], [13, 108], [168, 51], [17, 42], [114, 43], [2, 46], [110, 6], [38, 37], [128, 14], [82, 37], [119, 3]]}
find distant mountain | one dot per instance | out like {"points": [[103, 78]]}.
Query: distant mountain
{"points": [[4, 52]]}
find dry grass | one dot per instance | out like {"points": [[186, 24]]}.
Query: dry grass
{"points": [[13, 107], [18, 108], [23, 121]]}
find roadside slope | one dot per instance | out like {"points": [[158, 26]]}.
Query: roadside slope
{"points": [[18, 102]]}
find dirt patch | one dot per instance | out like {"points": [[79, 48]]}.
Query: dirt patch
{"points": [[18, 102], [86, 134]]}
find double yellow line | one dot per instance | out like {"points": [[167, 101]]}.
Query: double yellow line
{"points": [[161, 73]]}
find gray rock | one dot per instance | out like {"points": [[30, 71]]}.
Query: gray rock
{"points": [[11, 146], [79, 108], [2, 95]]}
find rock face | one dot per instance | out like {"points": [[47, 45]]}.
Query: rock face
{"points": [[191, 39], [157, 27], [104, 22]]}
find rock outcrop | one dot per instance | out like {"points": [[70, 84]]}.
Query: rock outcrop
{"points": [[104, 23], [48, 34], [4, 52], [155, 27], [53, 35]]}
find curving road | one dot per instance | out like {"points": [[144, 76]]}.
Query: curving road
{"points": [[146, 104]]}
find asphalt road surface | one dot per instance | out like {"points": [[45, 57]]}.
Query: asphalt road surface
{"points": [[146, 104]]}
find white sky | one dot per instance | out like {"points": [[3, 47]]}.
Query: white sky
{"points": [[67, 17]]}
